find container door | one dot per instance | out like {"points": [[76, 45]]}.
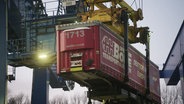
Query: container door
{"points": [[75, 49]]}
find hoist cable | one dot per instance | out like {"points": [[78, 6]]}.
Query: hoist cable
{"points": [[142, 5], [135, 3]]}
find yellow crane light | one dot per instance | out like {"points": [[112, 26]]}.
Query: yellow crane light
{"points": [[42, 56]]}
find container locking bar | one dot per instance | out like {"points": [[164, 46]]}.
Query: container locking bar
{"points": [[124, 20]]}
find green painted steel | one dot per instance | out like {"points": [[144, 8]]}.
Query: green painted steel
{"points": [[3, 52]]}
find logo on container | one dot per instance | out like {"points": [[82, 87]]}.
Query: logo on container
{"points": [[112, 51]]}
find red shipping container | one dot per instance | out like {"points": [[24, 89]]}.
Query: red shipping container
{"points": [[91, 46]]}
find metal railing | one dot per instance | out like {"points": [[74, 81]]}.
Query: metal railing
{"points": [[18, 46]]}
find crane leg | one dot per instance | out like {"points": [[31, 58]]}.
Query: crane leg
{"points": [[41, 85], [89, 96], [3, 52]]}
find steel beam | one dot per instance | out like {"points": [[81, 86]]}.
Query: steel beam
{"points": [[40, 86], [3, 51], [182, 79], [165, 73]]}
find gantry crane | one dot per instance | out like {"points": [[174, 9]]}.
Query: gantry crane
{"points": [[40, 26]]}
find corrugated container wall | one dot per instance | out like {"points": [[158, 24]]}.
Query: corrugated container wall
{"points": [[92, 46]]}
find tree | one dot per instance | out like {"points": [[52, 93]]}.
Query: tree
{"points": [[59, 100], [171, 95], [19, 99], [73, 98]]}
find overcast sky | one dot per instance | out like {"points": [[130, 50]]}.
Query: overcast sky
{"points": [[163, 17]]}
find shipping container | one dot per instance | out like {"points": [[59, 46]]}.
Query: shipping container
{"points": [[91, 54]]}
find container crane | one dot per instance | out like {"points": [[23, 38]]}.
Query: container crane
{"points": [[84, 29]]}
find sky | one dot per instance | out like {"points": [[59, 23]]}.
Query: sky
{"points": [[163, 17]]}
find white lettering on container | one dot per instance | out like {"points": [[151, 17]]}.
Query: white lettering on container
{"points": [[112, 51], [76, 34]]}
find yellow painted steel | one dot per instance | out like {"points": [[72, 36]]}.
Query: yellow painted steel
{"points": [[110, 15]]}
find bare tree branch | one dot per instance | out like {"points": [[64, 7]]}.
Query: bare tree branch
{"points": [[171, 95], [19, 99]]}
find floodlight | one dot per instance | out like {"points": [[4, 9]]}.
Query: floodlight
{"points": [[42, 56]]}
